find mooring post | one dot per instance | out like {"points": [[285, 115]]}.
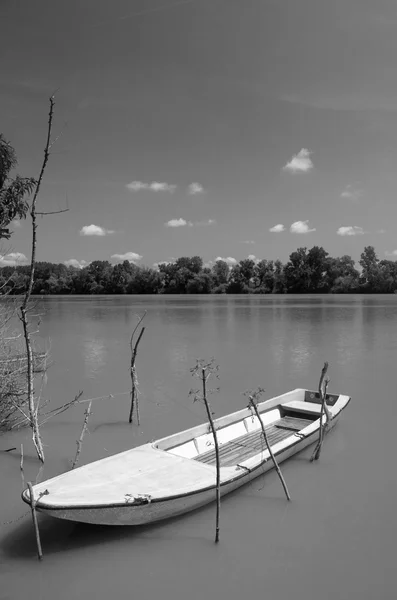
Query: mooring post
{"points": [[35, 523]]}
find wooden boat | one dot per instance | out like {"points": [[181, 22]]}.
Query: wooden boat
{"points": [[177, 474]]}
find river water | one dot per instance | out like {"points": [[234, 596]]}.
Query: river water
{"points": [[336, 539]]}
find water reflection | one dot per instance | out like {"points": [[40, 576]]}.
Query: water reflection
{"points": [[94, 356]]}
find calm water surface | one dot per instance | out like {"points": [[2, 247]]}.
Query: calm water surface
{"points": [[337, 537]]}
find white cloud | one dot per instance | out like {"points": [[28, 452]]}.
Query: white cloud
{"points": [[392, 253], [95, 230], [248, 242], [350, 230], [16, 223], [183, 223], [73, 262], [351, 193], [229, 260], [253, 257], [195, 188], [154, 186], [12, 259], [130, 256], [301, 227], [300, 163], [176, 223], [277, 228]]}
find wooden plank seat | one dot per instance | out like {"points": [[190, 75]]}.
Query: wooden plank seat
{"points": [[253, 443], [297, 406]]}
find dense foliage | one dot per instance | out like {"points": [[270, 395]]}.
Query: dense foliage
{"points": [[13, 191], [307, 271]]}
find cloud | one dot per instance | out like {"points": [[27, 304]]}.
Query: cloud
{"points": [[350, 230], [95, 230], [130, 256], [277, 228], [154, 186], [248, 242], [253, 257], [351, 193], [183, 223], [176, 223], [12, 259], [73, 262], [195, 188], [16, 223], [301, 227], [299, 163], [229, 260], [392, 253]]}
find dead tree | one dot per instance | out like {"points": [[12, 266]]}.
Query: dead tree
{"points": [[82, 434], [134, 379], [33, 406], [204, 371], [253, 399], [324, 426], [33, 403]]}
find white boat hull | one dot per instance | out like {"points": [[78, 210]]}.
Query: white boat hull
{"points": [[177, 474], [173, 507]]}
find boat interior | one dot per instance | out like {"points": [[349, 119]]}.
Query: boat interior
{"points": [[242, 438]]}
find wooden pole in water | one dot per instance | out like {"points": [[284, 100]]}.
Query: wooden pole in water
{"points": [[322, 390], [82, 434], [35, 523], [218, 472], [134, 390], [279, 473]]}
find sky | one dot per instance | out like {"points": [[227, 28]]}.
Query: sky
{"points": [[218, 128]]}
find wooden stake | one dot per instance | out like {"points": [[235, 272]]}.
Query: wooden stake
{"points": [[21, 463], [218, 471], [82, 434], [322, 390], [204, 372], [134, 388], [35, 523], [252, 403]]}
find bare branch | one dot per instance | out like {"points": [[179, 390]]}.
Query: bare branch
{"points": [[53, 212]]}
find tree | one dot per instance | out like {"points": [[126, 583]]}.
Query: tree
{"points": [[220, 271], [317, 269], [247, 270], [13, 192], [370, 266], [342, 276], [264, 277], [297, 272]]}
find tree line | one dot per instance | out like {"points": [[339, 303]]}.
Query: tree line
{"points": [[307, 271]]}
